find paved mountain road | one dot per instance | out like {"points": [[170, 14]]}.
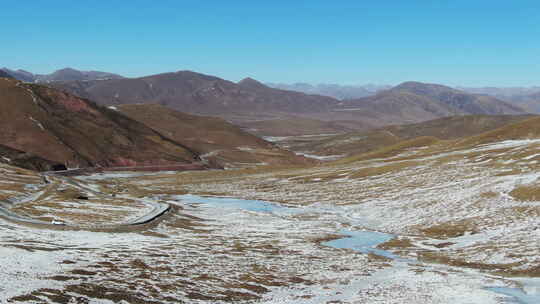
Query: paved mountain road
{"points": [[158, 209]]}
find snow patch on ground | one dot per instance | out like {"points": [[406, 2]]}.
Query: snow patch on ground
{"points": [[320, 157], [37, 123]]}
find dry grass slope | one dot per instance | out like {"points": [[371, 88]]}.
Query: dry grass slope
{"points": [[392, 150], [215, 139], [527, 129]]}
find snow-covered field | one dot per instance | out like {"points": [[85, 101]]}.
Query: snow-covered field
{"points": [[465, 222]]}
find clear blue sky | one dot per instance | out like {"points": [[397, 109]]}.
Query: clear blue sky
{"points": [[454, 42]]}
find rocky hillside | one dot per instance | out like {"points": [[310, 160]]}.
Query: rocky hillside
{"points": [[216, 140], [250, 101], [66, 129], [196, 93], [412, 102]]}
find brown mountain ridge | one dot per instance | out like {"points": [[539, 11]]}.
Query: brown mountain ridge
{"points": [[43, 127], [412, 102], [250, 100], [214, 139], [63, 128], [197, 93]]}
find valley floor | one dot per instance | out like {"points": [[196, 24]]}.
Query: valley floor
{"points": [[465, 217]]}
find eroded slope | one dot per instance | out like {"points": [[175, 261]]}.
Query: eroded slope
{"points": [[214, 139], [66, 129]]}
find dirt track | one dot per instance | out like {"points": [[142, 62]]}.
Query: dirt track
{"points": [[158, 210]]}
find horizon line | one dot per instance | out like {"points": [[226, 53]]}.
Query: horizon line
{"points": [[357, 84]]}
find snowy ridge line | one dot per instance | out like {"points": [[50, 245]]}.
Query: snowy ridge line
{"points": [[34, 97]]}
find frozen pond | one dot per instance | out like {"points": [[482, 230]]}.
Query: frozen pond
{"points": [[527, 295], [234, 203], [361, 241], [364, 242]]}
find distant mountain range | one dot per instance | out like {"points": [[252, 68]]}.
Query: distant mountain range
{"points": [[332, 90], [525, 97], [197, 93], [530, 102], [412, 102], [136, 121], [336, 91], [502, 92], [67, 74], [358, 91], [5, 74], [250, 100]]}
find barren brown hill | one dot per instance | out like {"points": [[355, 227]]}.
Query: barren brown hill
{"points": [[215, 139], [196, 93], [294, 126], [412, 102], [443, 128], [249, 100], [63, 128]]}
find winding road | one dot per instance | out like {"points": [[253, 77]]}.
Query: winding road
{"points": [[157, 209]]}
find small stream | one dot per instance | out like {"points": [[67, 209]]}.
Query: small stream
{"points": [[361, 241]]}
